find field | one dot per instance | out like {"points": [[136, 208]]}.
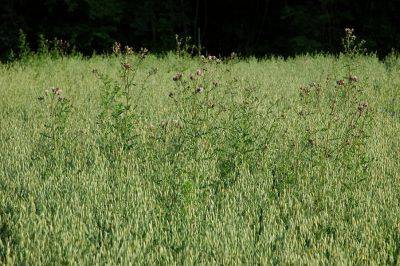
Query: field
{"points": [[136, 159]]}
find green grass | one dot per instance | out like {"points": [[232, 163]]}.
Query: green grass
{"points": [[251, 170]]}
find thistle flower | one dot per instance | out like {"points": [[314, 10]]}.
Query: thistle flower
{"points": [[340, 82], [362, 106], [116, 48], [200, 72], [353, 78], [199, 90], [128, 50], [56, 91], [304, 90], [143, 53], [126, 65], [177, 76], [349, 31]]}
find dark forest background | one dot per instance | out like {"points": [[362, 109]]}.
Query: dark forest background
{"points": [[249, 27]]}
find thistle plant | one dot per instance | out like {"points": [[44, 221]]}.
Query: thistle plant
{"points": [[119, 115], [336, 117], [52, 143], [352, 47]]}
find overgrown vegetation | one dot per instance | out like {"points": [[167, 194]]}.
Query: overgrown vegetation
{"points": [[131, 158]]}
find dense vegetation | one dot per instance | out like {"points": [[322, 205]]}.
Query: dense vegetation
{"points": [[256, 27], [141, 159]]}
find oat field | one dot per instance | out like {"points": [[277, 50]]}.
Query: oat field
{"points": [[145, 159]]}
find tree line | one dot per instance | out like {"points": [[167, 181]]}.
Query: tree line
{"points": [[257, 27]]}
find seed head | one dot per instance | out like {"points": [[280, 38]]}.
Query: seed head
{"points": [[340, 82], [200, 72], [126, 65], [304, 90], [143, 53], [116, 48], [349, 31], [199, 90], [56, 91], [128, 50], [362, 106], [177, 76], [353, 78]]}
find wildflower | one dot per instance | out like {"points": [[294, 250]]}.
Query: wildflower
{"points": [[200, 72], [126, 65], [353, 78], [116, 48], [233, 55], [362, 106], [199, 90], [304, 90], [340, 82], [177, 76], [143, 53], [349, 31], [128, 50], [56, 91]]}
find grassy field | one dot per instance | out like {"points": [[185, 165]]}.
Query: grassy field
{"points": [[179, 160]]}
